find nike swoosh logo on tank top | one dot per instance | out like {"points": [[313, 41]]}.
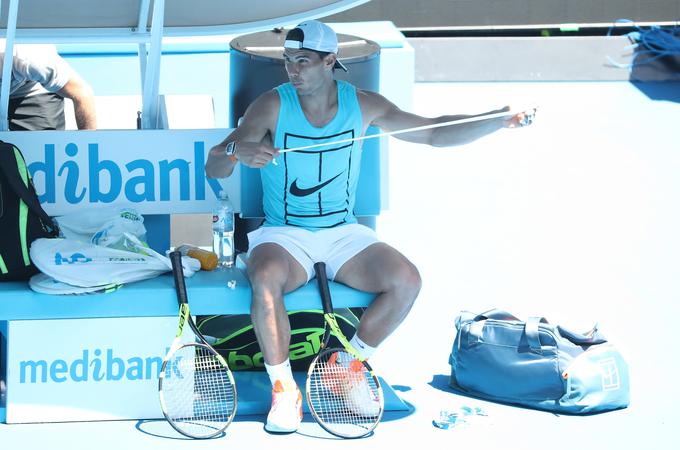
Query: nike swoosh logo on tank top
{"points": [[303, 192]]}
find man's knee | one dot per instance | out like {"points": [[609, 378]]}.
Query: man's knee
{"points": [[411, 281], [266, 272], [272, 268], [406, 281]]}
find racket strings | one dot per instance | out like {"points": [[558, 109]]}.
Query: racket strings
{"points": [[198, 392], [346, 399]]}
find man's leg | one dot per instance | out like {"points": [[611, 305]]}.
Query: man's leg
{"points": [[273, 272], [381, 269]]}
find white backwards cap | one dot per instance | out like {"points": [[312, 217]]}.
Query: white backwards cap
{"points": [[315, 36]]}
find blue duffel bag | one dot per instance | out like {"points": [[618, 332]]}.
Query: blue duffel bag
{"points": [[498, 357]]}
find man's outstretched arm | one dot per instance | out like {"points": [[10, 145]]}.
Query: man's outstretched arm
{"points": [[388, 117]]}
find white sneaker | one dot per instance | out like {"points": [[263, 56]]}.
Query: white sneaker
{"points": [[285, 414]]}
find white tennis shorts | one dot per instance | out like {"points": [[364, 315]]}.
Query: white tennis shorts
{"points": [[334, 246]]}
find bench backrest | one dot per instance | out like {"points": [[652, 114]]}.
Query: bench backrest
{"points": [[157, 172]]}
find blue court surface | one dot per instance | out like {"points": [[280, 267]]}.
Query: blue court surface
{"points": [[575, 218]]}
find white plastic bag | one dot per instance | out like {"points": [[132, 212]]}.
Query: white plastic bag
{"points": [[104, 226]]}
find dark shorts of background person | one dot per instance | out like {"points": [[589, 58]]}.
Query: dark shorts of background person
{"points": [[43, 111]]}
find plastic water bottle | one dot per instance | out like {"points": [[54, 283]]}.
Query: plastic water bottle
{"points": [[223, 231]]}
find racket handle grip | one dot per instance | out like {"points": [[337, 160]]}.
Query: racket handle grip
{"points": [[324, 290], [178, 275], [175, 259]]}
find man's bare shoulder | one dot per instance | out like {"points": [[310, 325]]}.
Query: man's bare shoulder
{"points": [[264, 110], [372, 104], [368, 98], [267, 102]]}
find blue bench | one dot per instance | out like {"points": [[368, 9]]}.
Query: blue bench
{"points": [[208, 294], [25, 366]]}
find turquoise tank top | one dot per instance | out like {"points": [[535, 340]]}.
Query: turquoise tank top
{"points": [[313, 188]]}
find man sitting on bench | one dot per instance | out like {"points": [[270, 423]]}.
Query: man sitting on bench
{"points": [[309, 199]]}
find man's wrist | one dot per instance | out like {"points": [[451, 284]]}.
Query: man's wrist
{"points": [[230, 151]]}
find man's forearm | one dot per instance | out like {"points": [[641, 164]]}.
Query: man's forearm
{"points": [[85, 112], [219, 165], [82, 96], [464, 133]]}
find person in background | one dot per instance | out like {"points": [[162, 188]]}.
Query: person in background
{"points": [[309, 200], [41, 79]]}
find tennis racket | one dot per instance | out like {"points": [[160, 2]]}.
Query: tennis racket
{"points": [[195, 386], [343, 394]]}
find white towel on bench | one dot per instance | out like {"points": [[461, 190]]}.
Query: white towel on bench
{"points": [[89, 265]]}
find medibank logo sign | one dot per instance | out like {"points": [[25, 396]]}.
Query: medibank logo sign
{"points": [[93, 366], [80, 173]]}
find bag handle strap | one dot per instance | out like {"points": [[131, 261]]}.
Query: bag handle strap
{"points": [[531, 332], [495, 313], [477, 325], [531, 329], [7, 160], [530, 326]]}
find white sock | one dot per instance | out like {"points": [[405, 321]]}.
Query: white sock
{"points": [[365, 350], [281, 372]]}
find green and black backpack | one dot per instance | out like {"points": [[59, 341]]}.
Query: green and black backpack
{"points": [[234, 338], [22, 219]]}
